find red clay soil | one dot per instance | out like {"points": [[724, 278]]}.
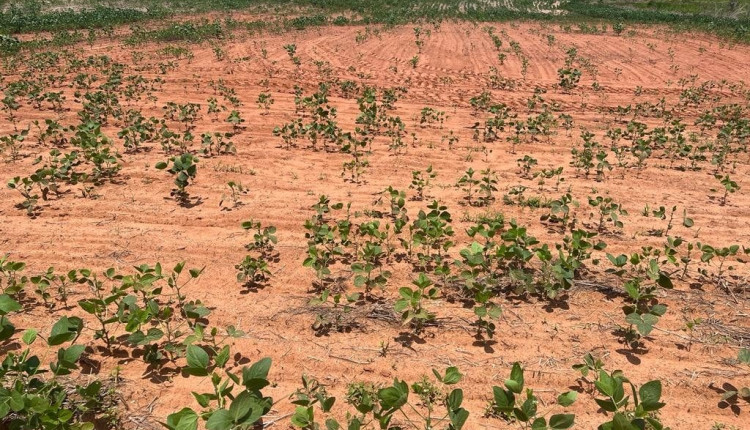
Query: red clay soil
{"points": [[135, 222]]}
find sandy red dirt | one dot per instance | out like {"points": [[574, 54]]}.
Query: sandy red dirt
{"points": [[136, 223]]}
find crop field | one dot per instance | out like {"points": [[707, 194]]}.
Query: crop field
{"points": [[495, 215]]}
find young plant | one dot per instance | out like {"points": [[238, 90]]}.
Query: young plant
{"points": [[487, 187], [236, 190], [608, 211], [368, 271], [568, 78], [291, 50], [217, 144], [264, 238], [12, 143], [26, 186], [184, 168], [642, 283], [414, 61], [469, 185], [518, 406], [560, 212], [525, 164], [223, 409], [420, 181], [642, 413], [729, 186], [355, 147], [12, 281], [549, 174], [411, 305], [236, 120], [265, 100], [252, 271]]}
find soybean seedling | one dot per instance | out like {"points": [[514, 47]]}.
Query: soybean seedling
{"points": [[184, 169], [730, 187]]}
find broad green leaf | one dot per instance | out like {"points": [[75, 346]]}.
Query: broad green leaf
{"points": [[7, 330], [744, 356], [605, 384], [394, 397], [8, 305], [303, 417], [455, 398], [65, 330], [650, 394], [644, 323], [458, 418], [29, 336], [220, 420], [504, 400], [241, 406], [620, 422], [515, 383], [539, 424], [197, 360], [561, 421], [255, 376], [452, 376], [567, 399], [186, 419]]}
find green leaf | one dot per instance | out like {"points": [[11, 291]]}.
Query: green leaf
{"points": [[744, 356], [605, 384], [452, 376], [220, 420], [140, 339], [303, 417], [458, 418], [658, 310], [186, 419], [72, 354], [664, 281], [327, 404], [515, 383], [394, 397], [607, 405], [539, 424], [89, 306], [65, 330], [620, 422], [567, 399], [644, 323], [241, 406], [650, 394], [561, 421], [66, 360], [254, 377], [29, 336], [529, 406], [618, 261], [222, 357], [455, 398], [161, 165], [197, 360], [202, 399], [8, 305], [504, 400]]}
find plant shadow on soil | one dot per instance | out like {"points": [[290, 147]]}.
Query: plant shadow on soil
{"points": [[187, 202], [732, 401]]}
